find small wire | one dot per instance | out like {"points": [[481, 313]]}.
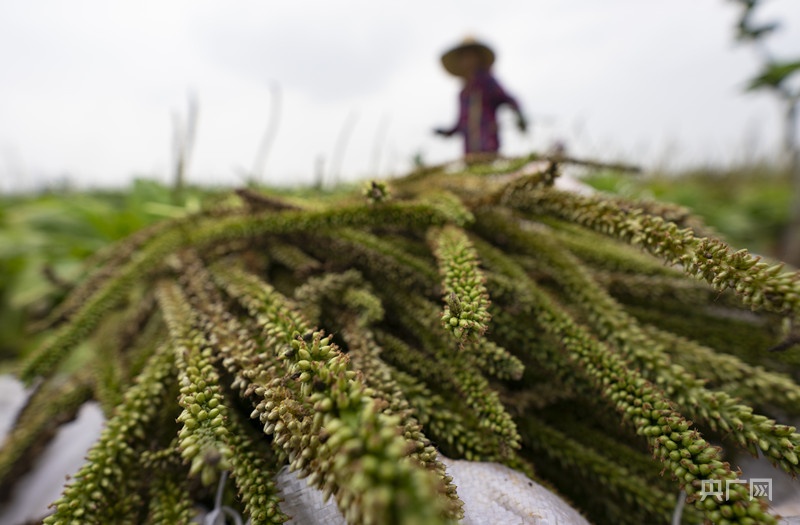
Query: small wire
{"points": [[677, 514], [218, 513]]}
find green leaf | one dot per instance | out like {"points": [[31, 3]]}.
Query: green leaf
{"points": [[774, 75]]}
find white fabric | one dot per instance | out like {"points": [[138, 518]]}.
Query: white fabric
{"points": [[492, 493]]}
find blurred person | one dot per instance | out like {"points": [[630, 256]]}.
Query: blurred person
{"points": [[479, 99]]}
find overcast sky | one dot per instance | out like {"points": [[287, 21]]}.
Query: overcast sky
{"points": [[89, 88]]}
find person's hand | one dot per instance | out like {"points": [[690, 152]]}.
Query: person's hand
{"points": [[522, 124], [443, 132]]}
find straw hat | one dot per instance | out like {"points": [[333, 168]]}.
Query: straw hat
{"points": [[451, 59]]}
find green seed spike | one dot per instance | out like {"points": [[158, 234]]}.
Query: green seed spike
{"points": [[757, 285], [602, 252], [466, 311], [204, 437]]}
